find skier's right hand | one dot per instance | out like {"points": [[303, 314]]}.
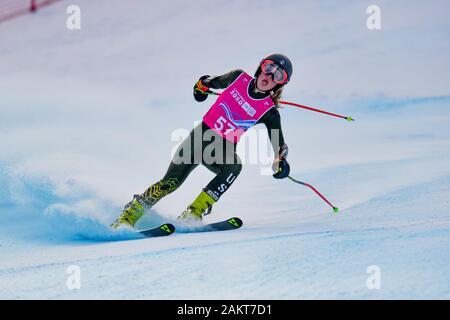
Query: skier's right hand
{"points": [[200, 90]]}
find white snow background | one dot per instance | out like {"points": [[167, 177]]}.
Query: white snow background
{"points": [[86, 118]]}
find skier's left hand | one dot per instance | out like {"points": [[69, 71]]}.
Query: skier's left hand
{"points": [[281, 168]]}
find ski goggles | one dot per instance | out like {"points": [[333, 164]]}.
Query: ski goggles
{"points": [[279, 75]]}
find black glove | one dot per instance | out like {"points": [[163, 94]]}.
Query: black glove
{"points": [[281, 168], [200, 90]]}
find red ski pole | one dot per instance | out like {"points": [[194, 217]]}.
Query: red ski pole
{"points": [[335, 209], [299, 106], [317, 110]]}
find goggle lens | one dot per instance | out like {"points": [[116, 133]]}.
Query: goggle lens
{"points": [[279, 75]]}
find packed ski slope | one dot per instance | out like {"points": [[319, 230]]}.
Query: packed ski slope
{"points": [[90, 117]]}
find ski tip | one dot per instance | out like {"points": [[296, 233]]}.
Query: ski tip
{"points": [[168, 227], [161, 231], [236, 222]]}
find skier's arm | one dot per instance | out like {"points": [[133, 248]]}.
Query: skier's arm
{"points": [[272, 122], [222, 81], [280, 165], [206, 82]]}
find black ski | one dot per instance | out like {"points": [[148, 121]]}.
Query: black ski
{"points": [[163, 230], [229, 224], [168, 228]]}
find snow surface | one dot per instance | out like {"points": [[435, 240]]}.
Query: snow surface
{"points": [[87, 119]]}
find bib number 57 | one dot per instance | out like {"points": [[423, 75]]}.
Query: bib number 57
{"points": [[223, 124]]}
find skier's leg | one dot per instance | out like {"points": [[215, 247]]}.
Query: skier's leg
{"points": [[180, 167], [226, 174], [175, 176], [182, 164]]}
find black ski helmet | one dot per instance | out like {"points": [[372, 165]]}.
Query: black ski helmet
{"points": [[279, 59]]}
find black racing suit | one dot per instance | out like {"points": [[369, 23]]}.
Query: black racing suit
{"points": [[224, 161]]}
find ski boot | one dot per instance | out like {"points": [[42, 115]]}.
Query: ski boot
{"points": [[131, 213], [201, 206]]}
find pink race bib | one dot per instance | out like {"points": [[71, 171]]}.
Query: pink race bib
{"points": [[234, 111]]}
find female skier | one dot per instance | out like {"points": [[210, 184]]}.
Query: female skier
{"points": [[245, 102]]}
